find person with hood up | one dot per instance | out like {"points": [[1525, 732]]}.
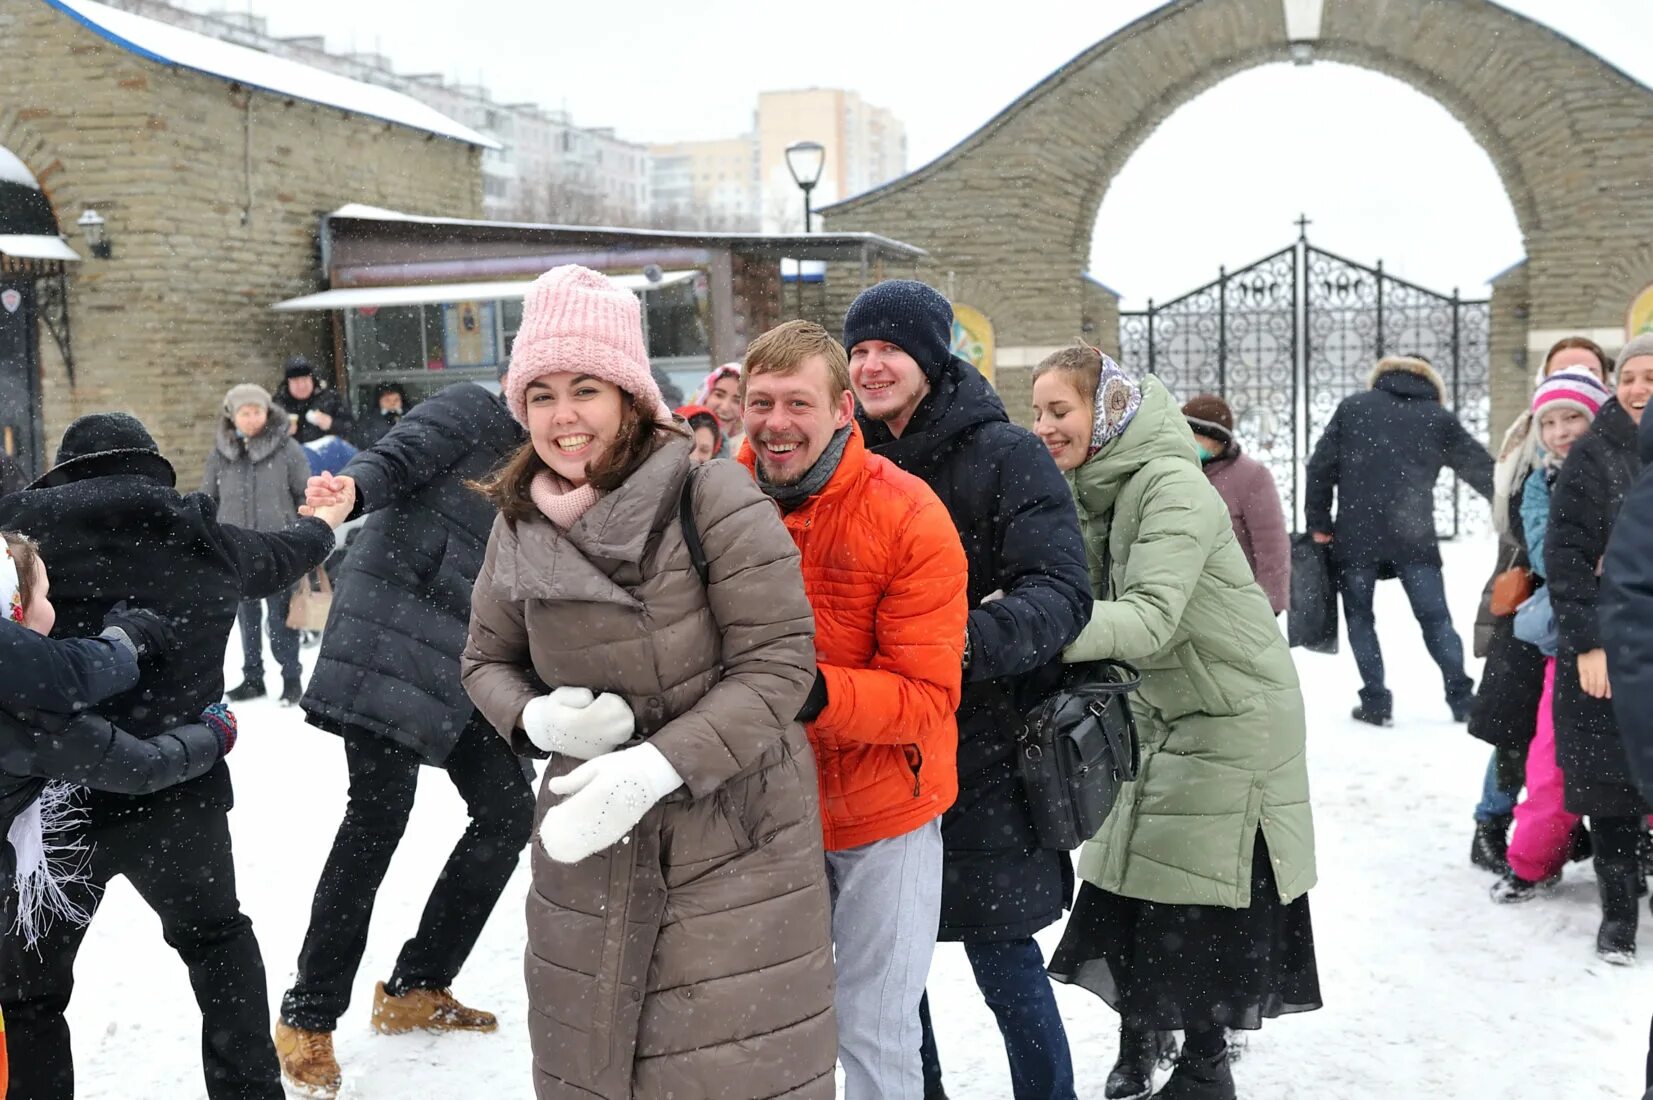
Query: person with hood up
{"points": [[720, 393], [48, 747], [313, 409], [1381, 453], [256, 475], [390, 404], [647, 616], [108, 518], [1193, 914], [387, 683], [1584, 505], [934, 415], [1506, 710], [708, 437], [1248, 489]]}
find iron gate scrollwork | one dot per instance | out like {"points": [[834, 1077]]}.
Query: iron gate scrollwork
{"points": [[1287, 338]]}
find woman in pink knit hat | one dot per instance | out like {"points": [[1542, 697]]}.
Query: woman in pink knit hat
{"points": [[647, 630]]}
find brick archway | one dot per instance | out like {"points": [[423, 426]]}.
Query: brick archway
{"points": [[1007, 215]]}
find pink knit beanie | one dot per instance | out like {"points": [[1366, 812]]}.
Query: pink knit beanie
{"points": [[1573, 388], [576, 320]]}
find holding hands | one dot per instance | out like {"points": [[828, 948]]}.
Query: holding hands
{"points": [[572, 722], [329, 498]]}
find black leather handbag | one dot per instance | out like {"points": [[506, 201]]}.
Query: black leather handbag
{"points": [[1077, 749]]}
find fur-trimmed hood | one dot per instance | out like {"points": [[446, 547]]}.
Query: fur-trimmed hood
{"points": [[1402, 364]]}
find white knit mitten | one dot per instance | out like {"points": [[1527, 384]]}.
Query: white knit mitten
{"points": [[571, 722], [604, 799]]}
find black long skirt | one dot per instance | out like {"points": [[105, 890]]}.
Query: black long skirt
{"points": [[1164, 967]]}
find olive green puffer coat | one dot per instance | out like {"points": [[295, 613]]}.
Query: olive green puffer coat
{"points": [[1219, 713]]}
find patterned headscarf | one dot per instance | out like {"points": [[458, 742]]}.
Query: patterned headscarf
{"points": [[1118, 397]]}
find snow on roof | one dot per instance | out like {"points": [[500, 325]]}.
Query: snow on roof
{"points": [[13, 170], [169, 45]]}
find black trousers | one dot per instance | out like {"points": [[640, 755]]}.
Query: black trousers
{"points": [[383, 776], [175, 850]]}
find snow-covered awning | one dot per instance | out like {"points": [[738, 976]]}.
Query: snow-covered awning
{"points": [[373, 297], [169, 45], [28, 228], [25, 246]]}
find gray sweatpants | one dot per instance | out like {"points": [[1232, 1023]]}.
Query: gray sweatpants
{"points": [[886, 909]]}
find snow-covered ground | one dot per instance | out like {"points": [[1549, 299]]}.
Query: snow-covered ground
{"points": [[1430, 989]]}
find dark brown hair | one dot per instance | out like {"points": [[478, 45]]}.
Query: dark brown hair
{"points": [[1081, 363], [24, 552], [1584, 343], [636, 440]]}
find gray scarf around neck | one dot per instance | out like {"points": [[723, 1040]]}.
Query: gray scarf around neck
{"points": [[791, 496]]}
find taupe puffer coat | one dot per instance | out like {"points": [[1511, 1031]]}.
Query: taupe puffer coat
{"points": [[694, 959]]}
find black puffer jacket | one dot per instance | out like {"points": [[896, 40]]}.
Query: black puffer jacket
{"points": [[322, 399], [128, 536], [1626, 617], [1383, 452], [1021, 537], [1584, 506], [389, 661]]}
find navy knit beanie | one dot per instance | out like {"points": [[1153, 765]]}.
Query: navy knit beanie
{"points": [[910, 315]]}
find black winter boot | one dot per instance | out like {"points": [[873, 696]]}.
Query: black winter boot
{"points": [[292, 690], [1580, 846], [250, 688], [1139, 1053], [1490, 849], [1370, 716], [1198, 1078], [1620, 911], [1512, 889]]}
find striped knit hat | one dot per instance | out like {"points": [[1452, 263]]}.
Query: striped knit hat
{"points": [[1573, 388]]}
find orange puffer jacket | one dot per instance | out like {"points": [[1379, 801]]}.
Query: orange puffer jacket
{"points": [[886, 575]]}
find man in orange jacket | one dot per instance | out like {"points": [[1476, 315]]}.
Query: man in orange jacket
{"points": [[886, 575]]}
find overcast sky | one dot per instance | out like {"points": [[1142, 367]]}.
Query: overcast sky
{"points": [[1383, 171]]}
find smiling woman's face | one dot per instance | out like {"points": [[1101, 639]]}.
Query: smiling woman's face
{"points": [[1636, 385], [573, 419]]}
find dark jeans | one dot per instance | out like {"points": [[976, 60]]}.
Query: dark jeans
{"points": [[283, 642], [383, 776], [176, 854], [1012, 979], [1427, 593]]}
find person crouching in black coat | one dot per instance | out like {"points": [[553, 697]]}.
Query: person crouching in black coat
{"points": [[1584, 507], [114, 529], [387, 682]]}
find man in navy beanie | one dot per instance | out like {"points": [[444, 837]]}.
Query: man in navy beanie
{"points": [[934, 415]]}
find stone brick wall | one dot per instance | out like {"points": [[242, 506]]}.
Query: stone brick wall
{"points": [[1509, 373], [1010, 210], [213, 195]]}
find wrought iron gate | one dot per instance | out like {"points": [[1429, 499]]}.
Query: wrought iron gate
{"points": [[1287, 338]]}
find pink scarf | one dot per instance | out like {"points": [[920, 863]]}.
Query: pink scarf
{"points": [[560, 501]]}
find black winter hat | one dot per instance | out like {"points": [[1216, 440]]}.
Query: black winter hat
{"points": [[299, 367], [912, 316], [100, 444]]}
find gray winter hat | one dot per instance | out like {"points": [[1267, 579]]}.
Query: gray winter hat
{"points": [[1635, 349], [245, 394]]}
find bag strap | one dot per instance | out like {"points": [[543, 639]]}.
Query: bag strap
{"points": [[691, 532]]}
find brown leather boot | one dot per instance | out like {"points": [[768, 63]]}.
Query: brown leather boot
{"points": [[307, 1063], [426, 1010]]}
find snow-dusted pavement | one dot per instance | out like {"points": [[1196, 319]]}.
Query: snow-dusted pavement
{"points": [[1430, 989]]}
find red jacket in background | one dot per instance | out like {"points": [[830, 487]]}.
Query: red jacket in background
{"points": [[886, 576]]}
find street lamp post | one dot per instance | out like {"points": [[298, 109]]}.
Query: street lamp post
{"points": [[805, 159]]}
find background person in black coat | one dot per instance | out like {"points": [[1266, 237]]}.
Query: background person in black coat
{"points": [[1627, 631], [391, 403], [387, 681], [113, 528], [318, 409], [1382, 453], [935, 416], [1584, 507]]}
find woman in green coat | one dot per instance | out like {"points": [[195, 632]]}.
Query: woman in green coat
{"points": [[1194, 913]]}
